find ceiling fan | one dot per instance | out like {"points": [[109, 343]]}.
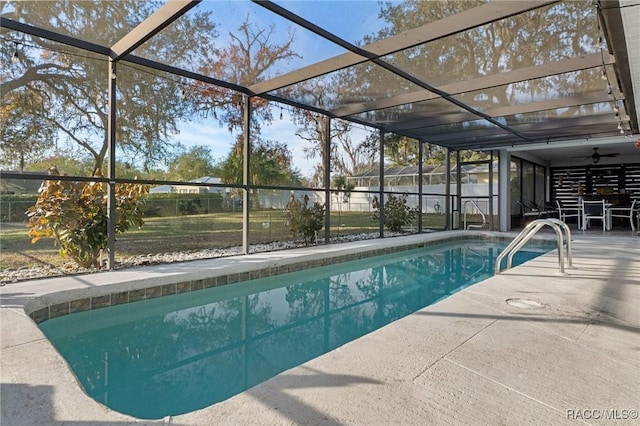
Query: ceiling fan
{"points": [[595, 157]]}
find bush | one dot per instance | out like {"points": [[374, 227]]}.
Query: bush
{"points": [[75, 215], [304, 221], [190, 206], [151, 211], [173, 204], [396, 212]]}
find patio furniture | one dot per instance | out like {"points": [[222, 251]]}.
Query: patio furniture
{"points": [[529, 211], [594, 210], [565, 211], [624, 212], [550, 210]]}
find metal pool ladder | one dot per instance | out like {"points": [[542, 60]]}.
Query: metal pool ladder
{"points": [[484, 218], [529, 231]]}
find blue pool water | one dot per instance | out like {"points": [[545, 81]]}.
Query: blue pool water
{"points": [[180, 353]]}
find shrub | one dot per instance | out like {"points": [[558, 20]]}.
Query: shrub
{"points": [[175, 204], [151, 211], [74, 214], [304, 221], [396, 212], [189, 206]]}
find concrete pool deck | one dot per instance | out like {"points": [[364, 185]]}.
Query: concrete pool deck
{"points": [[529, 346]]}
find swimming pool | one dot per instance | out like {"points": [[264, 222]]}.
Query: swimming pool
{"points": [[183, 352]]}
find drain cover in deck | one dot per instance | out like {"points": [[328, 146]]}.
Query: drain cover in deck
{"points": [[525, 303]]}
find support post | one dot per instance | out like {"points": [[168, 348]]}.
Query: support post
{"points": [[420, 171], [327, 179], [447, 190], [504, 190], [111, 172], [491, 177], [246, 177], [459, 188], [381, 186]]}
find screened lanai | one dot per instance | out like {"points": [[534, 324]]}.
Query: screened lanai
{"points": [[294, 99]]}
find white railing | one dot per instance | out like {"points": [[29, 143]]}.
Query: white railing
{"points": [[484, 218], [529, 231]]}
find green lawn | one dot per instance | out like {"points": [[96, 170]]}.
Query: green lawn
{"points": [[184, 234]]}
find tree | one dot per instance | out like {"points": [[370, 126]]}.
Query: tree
{"points": [[192, 163], [247, 60], [400, 150], [344, 188], [129, 170], [312, 129], [24, 132], [521, 41], [65, 164], [270, 164], [346, 157], [71, 85], [435, 154]]}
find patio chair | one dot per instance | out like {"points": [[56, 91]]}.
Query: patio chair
{"points": [[625, 213], [594, 210], [565, 212], [528, 211], [549, 210]]}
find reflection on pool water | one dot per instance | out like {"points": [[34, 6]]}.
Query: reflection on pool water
{"points": [[176, 354]]}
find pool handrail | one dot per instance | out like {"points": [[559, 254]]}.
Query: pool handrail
{"points": [[513, 243], [484, 219], [566, 240], [528, 232]]}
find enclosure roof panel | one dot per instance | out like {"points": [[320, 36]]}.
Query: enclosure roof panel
{"points": [[463, 75]]}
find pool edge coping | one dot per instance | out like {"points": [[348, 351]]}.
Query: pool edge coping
{"points": [[84, 296]]}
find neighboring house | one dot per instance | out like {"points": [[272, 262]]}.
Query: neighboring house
{"points": [[431, 175], [162, 189], [399, 176], [474, 182], [191, 189]]}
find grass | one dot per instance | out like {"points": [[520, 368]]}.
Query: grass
{"points": [[169, 234], [184, 234]]}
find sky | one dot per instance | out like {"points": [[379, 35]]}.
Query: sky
{"points": [[335, 16], [220, 140]]}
